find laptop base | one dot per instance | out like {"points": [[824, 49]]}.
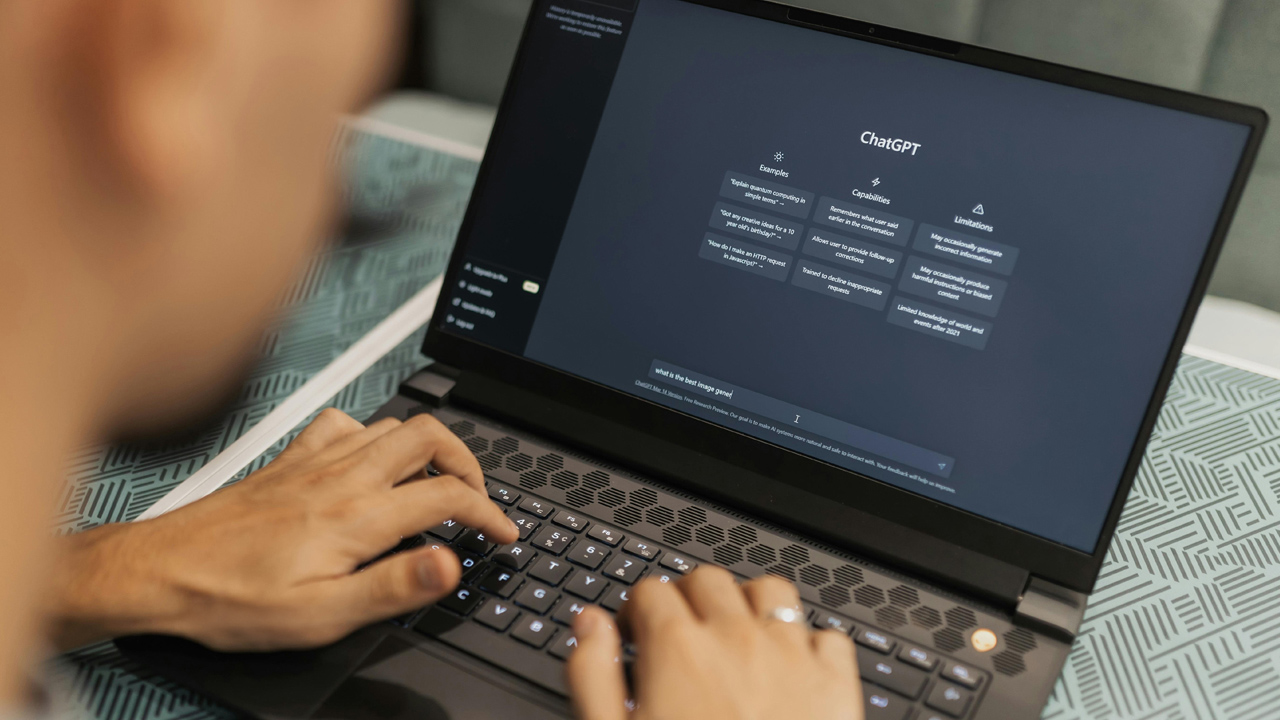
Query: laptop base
{"points": [[451, 663]]}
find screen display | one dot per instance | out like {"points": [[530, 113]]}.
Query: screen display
{"points": [[955, 280]]}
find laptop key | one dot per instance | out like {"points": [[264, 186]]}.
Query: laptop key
{"points": [[474, 541], [447, 530], [462, 600], [564, 645], [568, 610], [526, 524], [500, 582], [950, 699], [963, 674], [576, 523], [585, 585], [588, 554], [468, 560], [663, 576], [921, 658], [616, 596], [608, 536], [896, 676], [553, 540], [875, 640], [537, 597], [533, 631], [550, 570], [513, 556], [497, 614], [641, 549], [504, 495], [824, 620], [624, 569], [880, 704], [679, 563], [536, 507]]}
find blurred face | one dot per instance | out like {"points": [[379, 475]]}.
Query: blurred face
{"points": [[245, 190]]}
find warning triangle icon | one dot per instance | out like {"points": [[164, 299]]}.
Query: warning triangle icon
{"points": [[979, 211]]}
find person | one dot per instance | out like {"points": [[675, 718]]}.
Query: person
{"points": [[165, 173]]}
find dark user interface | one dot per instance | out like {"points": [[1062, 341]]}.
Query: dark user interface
{"points": [[958, 281]]}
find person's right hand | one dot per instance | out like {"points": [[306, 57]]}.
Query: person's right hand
{"points": [[707, 648]]}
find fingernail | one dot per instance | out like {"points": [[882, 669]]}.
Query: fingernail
{"points": [[429, 573], [587, 624]]}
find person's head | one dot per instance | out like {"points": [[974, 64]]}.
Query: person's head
{"points": [[164, 172]]}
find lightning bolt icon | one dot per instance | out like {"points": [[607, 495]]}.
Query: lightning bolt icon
{"points": [[875, 182]]}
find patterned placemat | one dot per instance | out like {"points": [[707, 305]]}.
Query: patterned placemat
{"points": [[1186, 619]]}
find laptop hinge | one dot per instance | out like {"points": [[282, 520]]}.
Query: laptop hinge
{"points": [[431, 385], [1051, 609]]}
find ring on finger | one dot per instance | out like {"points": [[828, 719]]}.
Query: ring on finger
{"points": [[785, 614]]}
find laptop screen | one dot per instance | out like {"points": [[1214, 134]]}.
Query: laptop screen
{"points": [[955, 280]]}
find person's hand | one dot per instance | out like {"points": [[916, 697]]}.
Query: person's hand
{"points": [[271, 562], [707, 648]]}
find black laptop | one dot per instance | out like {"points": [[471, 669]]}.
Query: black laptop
{"points": [[741, 284]]}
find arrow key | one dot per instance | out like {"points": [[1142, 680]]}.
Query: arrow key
{"points": [[497, 614]]}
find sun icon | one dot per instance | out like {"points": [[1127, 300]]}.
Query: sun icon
{"points": [[777, 157]]}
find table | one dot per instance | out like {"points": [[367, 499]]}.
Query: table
{"points": [[1185, 622]]}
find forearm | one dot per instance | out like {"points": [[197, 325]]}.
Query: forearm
{"points": [[105, 585]]}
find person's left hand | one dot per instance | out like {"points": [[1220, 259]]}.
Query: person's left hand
{"points": [[271, 562]]}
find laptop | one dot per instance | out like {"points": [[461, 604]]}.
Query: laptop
{"points": [[742, 284]]}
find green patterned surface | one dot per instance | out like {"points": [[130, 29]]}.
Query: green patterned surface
{"points": [[1186, 619]]}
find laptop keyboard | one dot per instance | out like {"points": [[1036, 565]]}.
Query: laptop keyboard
{"points": [[515, 606]]}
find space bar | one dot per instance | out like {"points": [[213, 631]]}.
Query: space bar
{"points": [[470, 637]]}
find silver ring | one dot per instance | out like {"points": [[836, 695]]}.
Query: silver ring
{"points": [[790, 615]]}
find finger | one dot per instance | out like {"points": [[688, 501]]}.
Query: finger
{"points": [[714, 596], [653, 607], [417, 506], [766, 594], [835, 650], [355, 441], [390, 587], [330, 426], [596, 680], [420, 440]]}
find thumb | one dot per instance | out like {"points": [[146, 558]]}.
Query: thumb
{"points": [[396, 585], [594, 670]]}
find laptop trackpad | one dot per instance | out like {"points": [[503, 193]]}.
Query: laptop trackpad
{"points": [[401, 682]]}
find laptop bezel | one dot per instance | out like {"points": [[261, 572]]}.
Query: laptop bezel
{"points": [[1036, 555]]}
